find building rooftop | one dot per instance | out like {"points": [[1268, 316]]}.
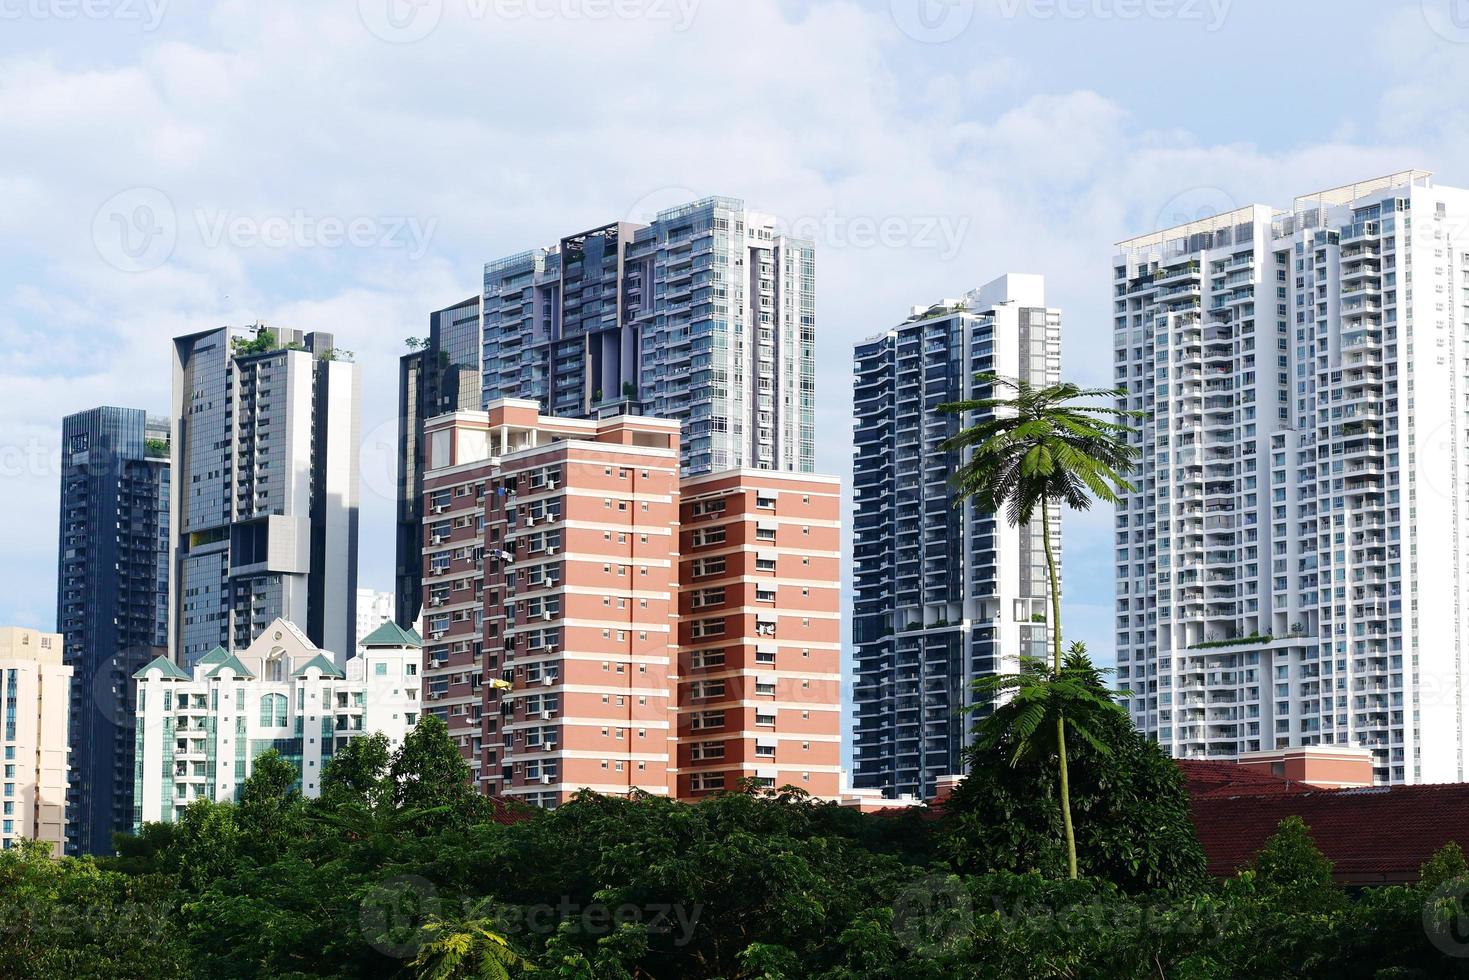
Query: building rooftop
{"points": [[391, 635], [1374, 835]]}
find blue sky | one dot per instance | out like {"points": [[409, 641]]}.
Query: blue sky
{"points": [[348, 166]]}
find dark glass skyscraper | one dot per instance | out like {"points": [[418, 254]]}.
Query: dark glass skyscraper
{"points": [[111, 603], [942, 595], [440, 376]]}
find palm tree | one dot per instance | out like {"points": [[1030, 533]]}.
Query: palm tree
{"points": [[471, 946], [1025, 722], [1034, 450]]}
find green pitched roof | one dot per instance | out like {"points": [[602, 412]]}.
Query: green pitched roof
{"points": [[216, 656], [169, 668], [233, 663], [416, 636], [327, 668], [391, 635]]}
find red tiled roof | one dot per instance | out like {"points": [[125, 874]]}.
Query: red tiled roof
{"points": [[1208, 779], [1372, 835]]}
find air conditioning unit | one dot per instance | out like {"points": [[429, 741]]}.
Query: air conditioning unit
{"points": [[440, 508], [547, 615], [437, 600], [547, 715], [546, 780], [552, 549], [436, 539], [436, 634], [548, 679]]}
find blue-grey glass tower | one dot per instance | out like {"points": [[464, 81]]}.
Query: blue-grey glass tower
{"points": [[441, 375], [706, 315], [942, 595], [111, 603]]}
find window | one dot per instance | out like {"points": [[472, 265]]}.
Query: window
{"points": [[706, 781], [707, 719], [708, 750], [708, 658], [710, 689], [273, 711]]}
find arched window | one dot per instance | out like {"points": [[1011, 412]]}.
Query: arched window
{"points": [[273, 711]]}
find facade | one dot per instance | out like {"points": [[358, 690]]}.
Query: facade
{"points": [[758, 685], [200, 730], [440, 376], [706, 316], [1288, 570], [111, 603], [35, 684], [549, 604], [942, 595], [373, 609], [264, 513], [557, 648]]}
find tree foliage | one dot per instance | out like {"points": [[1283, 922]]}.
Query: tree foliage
{"points": [[387, 876]]}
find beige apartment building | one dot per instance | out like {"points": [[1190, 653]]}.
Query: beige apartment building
{"points": [[35, 691], [559, 631]]}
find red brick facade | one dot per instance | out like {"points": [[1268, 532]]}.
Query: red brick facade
{"points": [[589, 623]]}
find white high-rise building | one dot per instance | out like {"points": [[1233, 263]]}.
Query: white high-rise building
{"points": [[1288, 570], [199, 731], [373, 609]]}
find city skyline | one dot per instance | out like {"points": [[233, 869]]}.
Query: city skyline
{"points": [[958, 163]]}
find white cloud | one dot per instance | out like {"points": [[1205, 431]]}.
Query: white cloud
{"points": [[505, 133]]}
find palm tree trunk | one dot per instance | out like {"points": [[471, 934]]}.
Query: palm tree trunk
{"points": [[1056, 667]]}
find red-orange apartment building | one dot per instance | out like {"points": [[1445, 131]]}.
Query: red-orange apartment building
{"points": [[759, 633], [568, 644], [549, 597]]}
